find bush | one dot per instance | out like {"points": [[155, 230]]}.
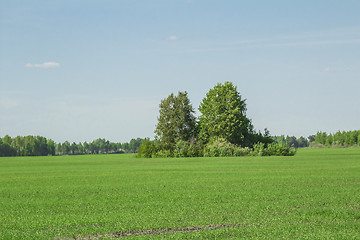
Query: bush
{"points": [[211, 151], [196, 149], [219, 147], [226, 151], [182, 149], [188, 149], [146, 149], [239, 151], [163, 154], [277, 149], [259, 149]]}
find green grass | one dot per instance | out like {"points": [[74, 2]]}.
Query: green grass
{"points": [[313, 195]]}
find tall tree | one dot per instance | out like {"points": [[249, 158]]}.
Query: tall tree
{"points": [[223, 115], [176, 121], [51, 147], [66, 148], [6, 150]]}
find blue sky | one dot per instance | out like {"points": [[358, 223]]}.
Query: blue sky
{"points": [[79, 70]]}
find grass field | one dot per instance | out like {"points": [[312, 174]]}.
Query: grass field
{"points": [[313, 195]]}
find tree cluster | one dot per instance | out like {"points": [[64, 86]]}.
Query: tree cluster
{"points": [[338, 139], [26, 146], [292, 141], [222, 129], [40, 146]]}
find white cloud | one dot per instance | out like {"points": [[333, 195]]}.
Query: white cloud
{"points": [[43, 65], [172, 38], [328, 69]]}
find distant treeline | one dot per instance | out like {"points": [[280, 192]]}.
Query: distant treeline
{"points": [[292, 141], [322, 139], [40, 146], [338, 139]]}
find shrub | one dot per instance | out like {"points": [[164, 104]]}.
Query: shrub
{"points": [[226, 151], [182, 149], [239, 151], [162, 154], [279, 150], [259, 149], [146, 149], [196, 149], [219, 147], [212, 151], [188, 149]]}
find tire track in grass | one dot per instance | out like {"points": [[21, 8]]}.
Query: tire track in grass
{"points": [[165, 230]]}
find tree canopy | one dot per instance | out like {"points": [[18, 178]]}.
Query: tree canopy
{"points": [[223, 128], [176, 120], [223, 116]]}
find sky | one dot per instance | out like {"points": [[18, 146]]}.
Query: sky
{"points": [[78, 70]]}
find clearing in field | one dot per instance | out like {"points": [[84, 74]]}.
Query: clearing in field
{"points": [[315, 194]]}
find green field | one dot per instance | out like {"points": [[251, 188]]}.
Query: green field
{"points": [[313, 195]]}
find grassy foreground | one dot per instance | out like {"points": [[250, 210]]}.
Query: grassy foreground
{"points": [[313, 195]]}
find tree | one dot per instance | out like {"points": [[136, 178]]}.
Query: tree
{"points": [[320, 138], [7, 140], [223, 116], [6, 150], [74, 148], [176, 121], [126, 146], [86, 147], [51, 147], [291, 141], [29, 145], [302, 142], [41, 146], [311, 138], [66, 148]]}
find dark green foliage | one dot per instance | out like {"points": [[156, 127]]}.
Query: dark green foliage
{"points": [[6, 150], [292, 141], [302, 142], [260, 137], [223, 115]]}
